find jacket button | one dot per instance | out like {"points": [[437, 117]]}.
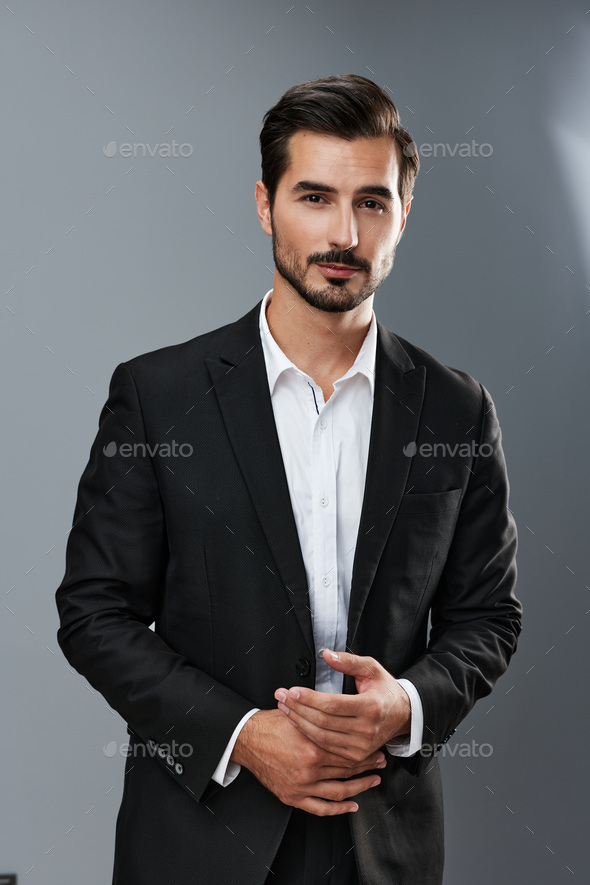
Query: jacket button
{"points": [[178, 768], [170, 760], [303, 667]]}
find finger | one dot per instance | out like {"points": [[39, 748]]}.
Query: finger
{"points": [[338, 791], [329, 721], [327, 702], [361, 666], [346, 744], [334, 772], [327, 809], [334, 765], [338, 730], [365, 712], [322, 803]]}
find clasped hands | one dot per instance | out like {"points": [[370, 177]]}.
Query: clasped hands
{"points": [[352, 726], [313, 751]]}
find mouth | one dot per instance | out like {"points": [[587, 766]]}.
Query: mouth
{"points": [[338, 270]]}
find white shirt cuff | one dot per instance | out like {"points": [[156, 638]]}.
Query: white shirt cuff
{"points": [[227, 771], [405, 745]]}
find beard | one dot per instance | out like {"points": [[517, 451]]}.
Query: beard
{"points": [[335, 296]]}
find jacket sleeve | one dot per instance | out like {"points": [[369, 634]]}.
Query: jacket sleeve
{"points": [[475, 616], [116, 560]]}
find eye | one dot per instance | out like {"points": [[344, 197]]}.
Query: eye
{"points": [[312, 197], [375, 205]]}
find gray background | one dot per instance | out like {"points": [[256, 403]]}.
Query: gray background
{"points": [[105, 258]]}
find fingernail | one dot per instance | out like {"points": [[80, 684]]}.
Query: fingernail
{"points": [[281, 696], [376, 782], [293, 693], [334, 656], [382, 764], [353, 808]]}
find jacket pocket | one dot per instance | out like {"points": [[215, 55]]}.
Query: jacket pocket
{"points": [[430, 502]]}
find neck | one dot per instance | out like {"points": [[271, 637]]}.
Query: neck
{"points": [[324, 345]]}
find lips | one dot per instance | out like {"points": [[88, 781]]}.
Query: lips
{"points": [[338, 270]]}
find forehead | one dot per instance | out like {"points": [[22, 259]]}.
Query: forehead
{"points": [[338, 162]]}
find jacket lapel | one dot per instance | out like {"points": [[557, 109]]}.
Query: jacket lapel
{"points": [[399, 394], [241, 386]]}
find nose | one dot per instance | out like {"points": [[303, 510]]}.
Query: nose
{"points": [[343, 229]]}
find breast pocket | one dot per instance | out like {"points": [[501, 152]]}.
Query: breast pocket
{"points": [[419, 542], [430, 502], [424, 528], [409, 572]]}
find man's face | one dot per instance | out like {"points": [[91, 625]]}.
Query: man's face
{"points": [[336, 219]]}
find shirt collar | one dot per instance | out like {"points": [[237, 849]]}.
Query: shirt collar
{"points": [[277, 362]]}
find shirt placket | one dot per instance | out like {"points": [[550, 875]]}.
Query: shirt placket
{"points": [[325, 568]]}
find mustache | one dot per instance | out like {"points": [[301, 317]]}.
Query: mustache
{"points": [[339, 258]]}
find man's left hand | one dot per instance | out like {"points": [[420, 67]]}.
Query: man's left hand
{"points": [[351, 725]]}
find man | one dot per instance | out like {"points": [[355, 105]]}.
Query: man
{"points": [[339, 487]]}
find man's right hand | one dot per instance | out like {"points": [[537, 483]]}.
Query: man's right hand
{"points": [[297, 771]]}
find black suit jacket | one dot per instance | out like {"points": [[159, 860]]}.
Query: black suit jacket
{"points": [[204, 544]]}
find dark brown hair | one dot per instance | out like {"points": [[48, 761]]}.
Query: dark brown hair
{"points": [[346, 105]]}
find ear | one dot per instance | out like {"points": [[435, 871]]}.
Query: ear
{"points": [[263, 207], [406, 213]]}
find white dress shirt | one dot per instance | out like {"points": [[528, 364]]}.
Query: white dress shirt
{"points": [[325, 447]]}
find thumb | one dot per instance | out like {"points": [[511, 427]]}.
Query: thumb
{"points": [[353, 665]]}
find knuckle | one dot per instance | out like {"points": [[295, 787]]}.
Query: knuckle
{"points": [[336, 794], [359, 755], [368, 730], [346, 758], [311, 754], [369, 737], [316, 754]]}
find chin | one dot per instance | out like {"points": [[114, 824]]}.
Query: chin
{"points": [[324, 300]]}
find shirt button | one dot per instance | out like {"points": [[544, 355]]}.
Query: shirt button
{"points": [[326, 581], [324, 502], [323, 424]]}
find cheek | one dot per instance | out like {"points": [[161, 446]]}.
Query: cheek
{"points": [[383, 246], [299, 231], [311, 228]]}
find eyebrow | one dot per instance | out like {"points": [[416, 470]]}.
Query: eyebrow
{"points": [[375, 190]]}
